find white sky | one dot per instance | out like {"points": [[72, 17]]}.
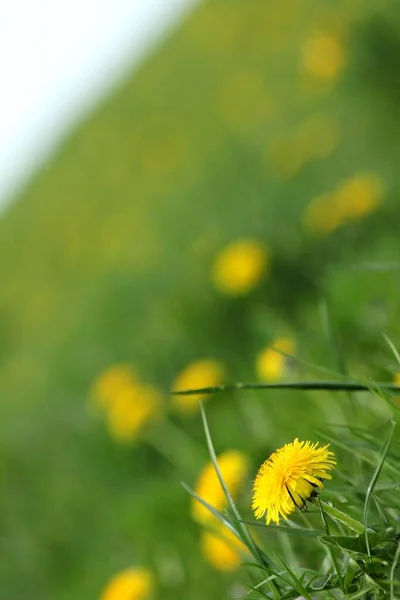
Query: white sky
{"points": [[58, 58]]}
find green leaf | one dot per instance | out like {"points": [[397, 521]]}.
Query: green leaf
{"points": [[353, 544], [352, 571]]}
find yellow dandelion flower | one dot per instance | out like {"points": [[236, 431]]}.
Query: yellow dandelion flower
{"points": [[270, 364], [396, 379], [222, 549], [240, 266], [127, 402], [205, 372], [321, 217], [130, 584], [323, 57], [111, 383], [352, 199], [289, 477], [234, 468], [358, 196], [132, 410]]}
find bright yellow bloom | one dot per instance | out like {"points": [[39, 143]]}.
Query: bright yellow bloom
{"points": [[205, 372], [222, 549], [131, 584], [127, 402], [351, 200], [240, 266], [289, 477], [234, 468], [323, 57], [270, 364], [396, 379]]}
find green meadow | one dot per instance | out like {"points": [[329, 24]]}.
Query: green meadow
{"points": [[277, 122]]}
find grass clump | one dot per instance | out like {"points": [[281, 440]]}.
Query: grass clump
{"points": [[342, 542]]}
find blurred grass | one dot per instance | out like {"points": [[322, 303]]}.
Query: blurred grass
{"points": [[106, 258]]}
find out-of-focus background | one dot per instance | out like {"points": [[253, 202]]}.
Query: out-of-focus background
{"points": [[235, 193]]}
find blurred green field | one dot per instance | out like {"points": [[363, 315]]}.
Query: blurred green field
{"points": [[106, 258]]}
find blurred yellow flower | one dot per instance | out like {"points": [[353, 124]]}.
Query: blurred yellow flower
{"points": [[222, 549], [234, 468], [132, 410], [322, 216], [205, 372], [127, 402], [270, 364], [131, 584], [358, 196], [239, 267], [111, 383], [396, 397], [314, 138], [352, 199], [323, 57]]}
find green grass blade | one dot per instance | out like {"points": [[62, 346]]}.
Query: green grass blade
{"points": [[214, 460], [392, 347], [392, 570], [246, 537], [353, 450], [331, 551], [298, 586], [373, 483], [216, 513], [327, 325], [256, 589], [333, 386]]}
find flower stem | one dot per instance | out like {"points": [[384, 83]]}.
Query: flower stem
{"points": [[340, 516]]}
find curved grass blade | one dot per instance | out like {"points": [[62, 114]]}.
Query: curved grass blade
{"points": [[373, 483], [392, 347], [330, 550], [216, 513], [392, 570], [246, 537], [298, 586]]}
